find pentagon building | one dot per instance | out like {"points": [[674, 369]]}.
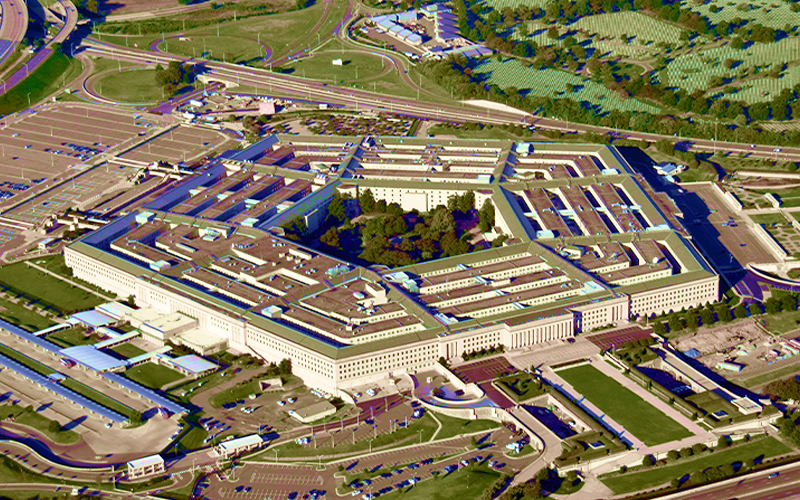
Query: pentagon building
{"points": [[589, 243]]}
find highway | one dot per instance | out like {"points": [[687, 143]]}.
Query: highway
{"points": [[291, 86], [44, 52], [13, 24]]}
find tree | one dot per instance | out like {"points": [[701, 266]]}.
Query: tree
{"points": [[648, 460], [673, 455], [675, 324], [366, 202], [659, 328], [723, 442], [723, 313], [331, 238], [337, 211], [707, 317], [135, 418], [486, 216], [54, 427], [285, 367], [740, 311]]}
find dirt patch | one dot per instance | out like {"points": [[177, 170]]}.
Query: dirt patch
{"points": [[722, 340]]}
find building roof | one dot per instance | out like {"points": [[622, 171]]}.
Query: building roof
{"points": [[237, 443], [314, 409], [93, 319], [91, 357], [115, 310], [146, 461], [193, 364], [692, 353]]}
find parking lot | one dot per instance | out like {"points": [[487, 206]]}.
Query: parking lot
{"points": [[182, 143]]}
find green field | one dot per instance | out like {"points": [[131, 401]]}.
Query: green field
{"points": [[642, 28], [629, 410], [452, 426], [33, 419], [22, 317], [46, 79], [228, 48], [133, 85], [24, 360], [357, 66], [193, 438], [769, 219], [235, 393], [47, 289], [69, 338], [128, 350], [553, 83], [635, 481], [97, 396], [153, 375], [463, 484]]}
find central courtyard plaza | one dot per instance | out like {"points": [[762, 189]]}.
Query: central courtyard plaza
{"points": [[589, 244]]}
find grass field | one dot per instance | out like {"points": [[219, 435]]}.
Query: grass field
{"points": [[24, 360], [635, 481], [769, 219], [629, 410], [640, 27], [783, 322], [464, 484], [128, 350], [228, 48], [235, 393], [153, 375], [769, 376], [553, 83], [357, 66], [69, 338], [452, 426], [22, 317], [135, 86], [40, 423], [97, 396], [48, 78], [37, 285], [193, 438], [405, 435]]}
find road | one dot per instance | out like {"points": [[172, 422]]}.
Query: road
{"points": [[294, 87], [13, 24], [44, 52], [757, 486]]}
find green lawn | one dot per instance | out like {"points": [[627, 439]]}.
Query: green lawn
{"points": [[22, 317], [228, 48], [405, 436], [464, 484], [783, 322], [153, 375], [769, 219], [98, 397], [357, 66], [128, 350], [521, 387], [703, 172], [629, 410], [24, 360], [133, 85], [47, 289], [769, 376], [193, 438], [70, 337], [48, 78], [452, 426], [12, 472], [40, 423], [235, 393], [635, 481]]}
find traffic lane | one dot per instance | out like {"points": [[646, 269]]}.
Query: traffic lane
{"points": [[757, 488], [344, 96]]}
